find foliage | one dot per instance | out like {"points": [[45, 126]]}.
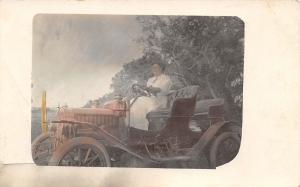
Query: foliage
{"points": [[204, 51]]}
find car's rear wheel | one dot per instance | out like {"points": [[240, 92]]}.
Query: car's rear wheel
{"points": [[224, 148], [81, 151]]}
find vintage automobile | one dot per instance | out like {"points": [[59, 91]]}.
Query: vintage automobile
{"points": [[186, 134]]}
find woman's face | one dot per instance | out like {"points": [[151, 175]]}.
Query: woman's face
{"points": [[156, 70]]}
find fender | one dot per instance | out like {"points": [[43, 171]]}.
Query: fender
{"points": [[113, 141], [206, 138], [232, 126]]}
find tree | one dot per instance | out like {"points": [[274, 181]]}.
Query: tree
{"points": [[207, 51], [204, 51]]}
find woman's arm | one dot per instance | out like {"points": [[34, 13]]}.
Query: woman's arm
{"points": [[165, 86], [153, 90]]}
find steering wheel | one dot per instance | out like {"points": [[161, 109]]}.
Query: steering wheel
{"points": [[140, 90]]}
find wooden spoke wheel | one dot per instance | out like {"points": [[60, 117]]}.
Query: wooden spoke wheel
{"points": [[224, 148], [81, 151], [41, 149]]}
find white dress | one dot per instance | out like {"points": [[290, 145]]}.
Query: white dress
{"points": [[144, 104]]}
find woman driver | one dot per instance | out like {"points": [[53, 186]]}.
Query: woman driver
{"points": [[159, 83]]}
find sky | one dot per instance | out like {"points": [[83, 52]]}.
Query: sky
{"points": [[75, 56]]}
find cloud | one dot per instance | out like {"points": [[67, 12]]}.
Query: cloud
{"points": [[75, 56]]}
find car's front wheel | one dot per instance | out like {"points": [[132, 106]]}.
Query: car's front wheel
{"points": [[81, 151]]}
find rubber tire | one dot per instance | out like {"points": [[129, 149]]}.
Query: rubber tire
{"points": [[216, 143], [42, 137], [62, 150]]}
